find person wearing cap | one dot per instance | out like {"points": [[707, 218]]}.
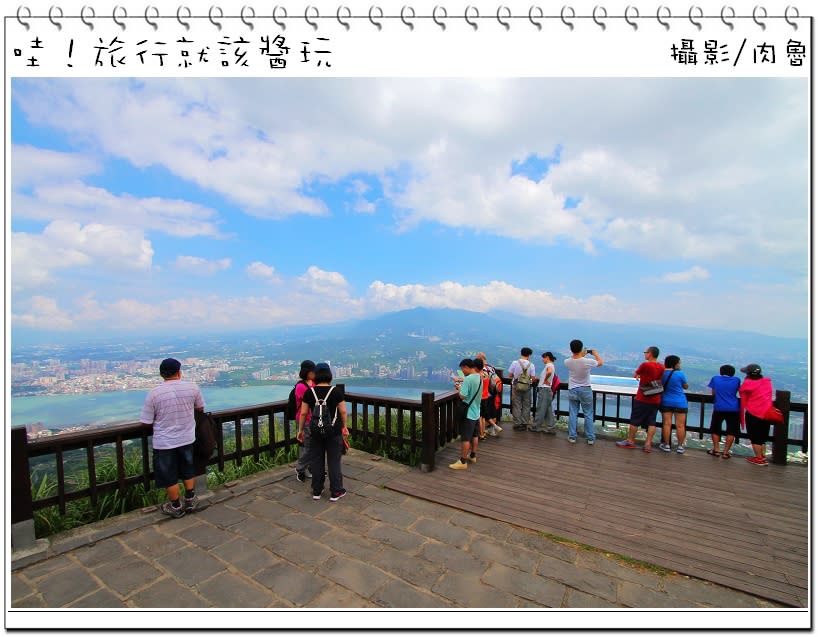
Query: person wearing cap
{"points": [[325, 450], [169, 408], [756, 396], [306, 379]]}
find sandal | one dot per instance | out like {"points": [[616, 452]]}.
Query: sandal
{"points": [[713, 452], [647, 449], [726, 456]]}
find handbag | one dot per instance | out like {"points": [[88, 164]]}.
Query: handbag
{"points": [[655, 386], [774, 414]]}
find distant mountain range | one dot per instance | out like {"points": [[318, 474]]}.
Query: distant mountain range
{"points": [[514, 331]]}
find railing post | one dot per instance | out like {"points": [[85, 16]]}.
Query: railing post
{"points": [[429, 424], [781, 432], [22, 511]]}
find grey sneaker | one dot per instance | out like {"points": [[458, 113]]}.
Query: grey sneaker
{"points": [[168, 509], [590, 442], [664, 447], [191, 503], [680, 449], [572, 440]]}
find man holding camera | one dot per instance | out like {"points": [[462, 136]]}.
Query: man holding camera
{"points": [[579, 389]]}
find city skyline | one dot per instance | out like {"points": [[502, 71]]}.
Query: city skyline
{"points": [[213, 205]]}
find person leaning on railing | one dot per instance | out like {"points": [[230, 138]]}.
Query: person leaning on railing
{"points": [[756, 394], [169, 408]]}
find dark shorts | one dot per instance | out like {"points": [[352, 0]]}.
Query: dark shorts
{"points": [[644, 414], [172, 465], [487, 408], [673, 410], [730, 418], [757, 429], [469, 429]]}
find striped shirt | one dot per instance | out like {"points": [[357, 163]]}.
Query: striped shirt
{"points": [[169, 408]]}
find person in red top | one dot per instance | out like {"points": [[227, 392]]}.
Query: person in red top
{"points": [[484, 397], [645, 407], [756, 395]]}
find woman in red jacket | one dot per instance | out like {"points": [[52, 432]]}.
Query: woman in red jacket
{"points": [[756, 394]]}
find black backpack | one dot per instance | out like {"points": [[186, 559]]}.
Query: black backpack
{"points": [[289, 412], [321, 423]]}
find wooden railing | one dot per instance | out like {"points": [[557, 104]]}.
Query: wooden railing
{"points": [[424, 425], [377, 421]]}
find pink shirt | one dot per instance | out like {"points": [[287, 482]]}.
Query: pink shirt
{"points": [[756, 395], [300, 390]]}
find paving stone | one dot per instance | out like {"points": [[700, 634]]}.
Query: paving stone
{"points": [[46, 567], [266, 509], [508, 554], [244, 555], [601, 564], [453, 558], [414, 570], [19, 587], [578, 599], [470, 592], [391, 514], [302, 501], [334, 596], [281, 488], [442, 532], [349, 519], [384, 496], [192, 565], [206, 535], [356, 576], [64, 586], [396, 538], [484, 526], [537, 589], [527, 603], [291, 583], [540, 544], [100, 553], [398, 594], [351, 544], [168, 593], [221, 516], [261, 532], [582, 579], [32, 601], [99, 599], [304, 525], [352, 502], [228, 590], [302, 551], [150, 543], [127, 575], [238, 501], [428, 509], [636, 596], [705, 593]]}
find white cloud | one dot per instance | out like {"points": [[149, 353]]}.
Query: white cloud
{"points": [[702, 181], [31, 165], [42, 313], [495, 295], [66, 244], [695, 273], [199, 265], [260, 270], [323, 283]]}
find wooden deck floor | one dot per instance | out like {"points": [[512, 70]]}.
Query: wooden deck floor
{"points": [[725, 521]]}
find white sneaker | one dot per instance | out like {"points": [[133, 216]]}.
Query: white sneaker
{"points": [[680, 449], [498, 428], [492, 431]]}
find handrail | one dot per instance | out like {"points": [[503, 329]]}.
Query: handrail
{"points": [[426, 425]]}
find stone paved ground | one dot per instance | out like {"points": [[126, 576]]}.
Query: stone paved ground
{"points": [[263, 542]]}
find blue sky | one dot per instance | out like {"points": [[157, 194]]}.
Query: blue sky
{"points": [[229, 204]]}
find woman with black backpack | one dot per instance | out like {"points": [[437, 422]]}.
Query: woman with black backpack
{"points": [[327, 405]]}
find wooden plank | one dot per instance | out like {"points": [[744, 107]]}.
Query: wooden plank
{"points": [[722, 521]]}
